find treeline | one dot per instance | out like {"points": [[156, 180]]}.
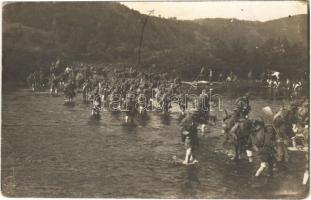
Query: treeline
{"points": [[105, 33]]}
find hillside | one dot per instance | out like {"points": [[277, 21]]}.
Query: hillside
{"points": [[293, 28], [35, 34]]}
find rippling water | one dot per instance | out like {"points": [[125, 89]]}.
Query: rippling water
{"points": [[50, 150]]}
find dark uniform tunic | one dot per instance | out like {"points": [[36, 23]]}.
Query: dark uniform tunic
{"points": [[191, 138]]}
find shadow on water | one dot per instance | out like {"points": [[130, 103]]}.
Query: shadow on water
{"points": [[130, 127], [143, 120], [70, 104], [165, 118], [94, 120], [190, 181], [86, 104], [116, 115], [55, 95]]}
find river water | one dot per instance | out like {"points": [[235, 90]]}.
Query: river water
{"points": [[51, 150]]}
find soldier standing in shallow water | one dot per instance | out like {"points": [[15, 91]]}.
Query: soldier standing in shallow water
{"points": [[203, 106], [189, 136], [242, 105]]}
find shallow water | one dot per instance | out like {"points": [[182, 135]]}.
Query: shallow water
{"points": [[51, 150]]}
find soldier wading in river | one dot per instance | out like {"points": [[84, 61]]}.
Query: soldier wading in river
{"points": [[242, 105], [189, 136]]}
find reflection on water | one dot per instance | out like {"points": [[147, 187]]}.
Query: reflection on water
{"points": [[165, 118], [59, 151], [191, 182]]}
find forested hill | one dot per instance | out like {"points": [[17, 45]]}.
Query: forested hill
{"points": [[293, 28], [36, 34]]}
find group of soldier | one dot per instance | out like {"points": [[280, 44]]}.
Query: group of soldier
{"points": [[134, 93], [265, 141]]}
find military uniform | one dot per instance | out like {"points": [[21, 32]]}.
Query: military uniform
{"points": [[242, 105], [189, 135]]}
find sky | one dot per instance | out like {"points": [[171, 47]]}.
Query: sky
{"points": [[245, 10]]}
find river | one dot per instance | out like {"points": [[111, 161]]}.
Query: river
{"points": [[51, 150]]}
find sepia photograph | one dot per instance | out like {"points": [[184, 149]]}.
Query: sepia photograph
{"points": [[162, 100]]}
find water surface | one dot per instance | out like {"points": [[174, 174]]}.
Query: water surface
{"points": [[51, 150]]}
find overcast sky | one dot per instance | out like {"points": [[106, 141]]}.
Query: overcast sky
{"points": [[258, 10]]}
